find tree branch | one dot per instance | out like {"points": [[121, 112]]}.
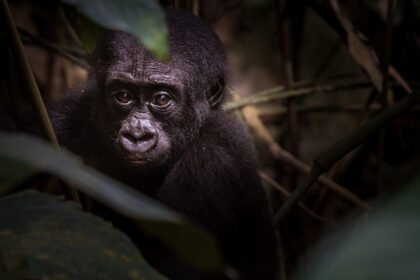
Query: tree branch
{"points": [[326, 160], [251, 117]]}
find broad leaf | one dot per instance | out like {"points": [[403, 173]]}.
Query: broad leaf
{"points": [[87, 31], [42, 238], [143, 18], [386, 247]]}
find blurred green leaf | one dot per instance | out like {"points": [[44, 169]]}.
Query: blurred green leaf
{"points": [[154, 218], [386, 247], [88, 32], [14, 173], [47, 239], [143, 18]]}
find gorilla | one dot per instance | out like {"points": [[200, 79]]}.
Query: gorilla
{"points": [[160, 128]]}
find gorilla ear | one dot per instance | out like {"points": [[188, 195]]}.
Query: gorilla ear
{"points": [[215, 94]]}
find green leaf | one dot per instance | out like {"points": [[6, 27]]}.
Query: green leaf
{"points": [[386, 247], [42, 238], [153, 217], [143, 18], [14, 173], [88, 32]]}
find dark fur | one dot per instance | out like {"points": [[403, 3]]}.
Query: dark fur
{"points": [[210, 174]]}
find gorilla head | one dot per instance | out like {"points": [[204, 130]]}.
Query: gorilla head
{"points": [[151, 111]]}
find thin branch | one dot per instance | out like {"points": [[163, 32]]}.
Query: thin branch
{"points": [[306, 84], [388, 46], [301, 89], [34, 94], [252, 119], [281, 110], [324, 162], [280, 94], [385, 86], [53, 47], [286, 193], [287, 74]]}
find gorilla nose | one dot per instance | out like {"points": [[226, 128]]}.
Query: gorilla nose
{"points": [[138, 137], [138, 142]]}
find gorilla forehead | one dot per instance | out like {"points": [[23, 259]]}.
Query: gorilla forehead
{"points": [[195, 50], [138, 65]]}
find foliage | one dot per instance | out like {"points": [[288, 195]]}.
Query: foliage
{"points": [[143, 18], [44, 238], [387, 247]]}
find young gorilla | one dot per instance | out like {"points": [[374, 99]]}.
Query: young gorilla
{"points": [[159, 127]]}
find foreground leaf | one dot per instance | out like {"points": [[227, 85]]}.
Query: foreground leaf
{"points": [[387, 247], [87, 31], [42, 238], [197, 246], [143, 18]]}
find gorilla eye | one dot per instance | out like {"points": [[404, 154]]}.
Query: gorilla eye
{"points": [[123, 97], [161, 99]]}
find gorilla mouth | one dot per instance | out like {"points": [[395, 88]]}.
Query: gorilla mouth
{"points": [[139, 159], [138, 162], [144, 159]]}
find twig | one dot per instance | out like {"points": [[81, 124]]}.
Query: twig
{"points": [[281, 110], [365, 110], [385, 86], [324, 162], [34, 94], [301, 89], [288, 78], [388, 46], [17, 49], [54, 48], [286, 193], [305, 84], [252, 119], [280, 94]]}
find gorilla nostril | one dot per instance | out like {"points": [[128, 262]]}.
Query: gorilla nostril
{"points": [[137, 138], [146, 137], [129, 136]]}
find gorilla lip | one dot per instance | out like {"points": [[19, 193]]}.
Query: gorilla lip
{"points": [[136, 161]]}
